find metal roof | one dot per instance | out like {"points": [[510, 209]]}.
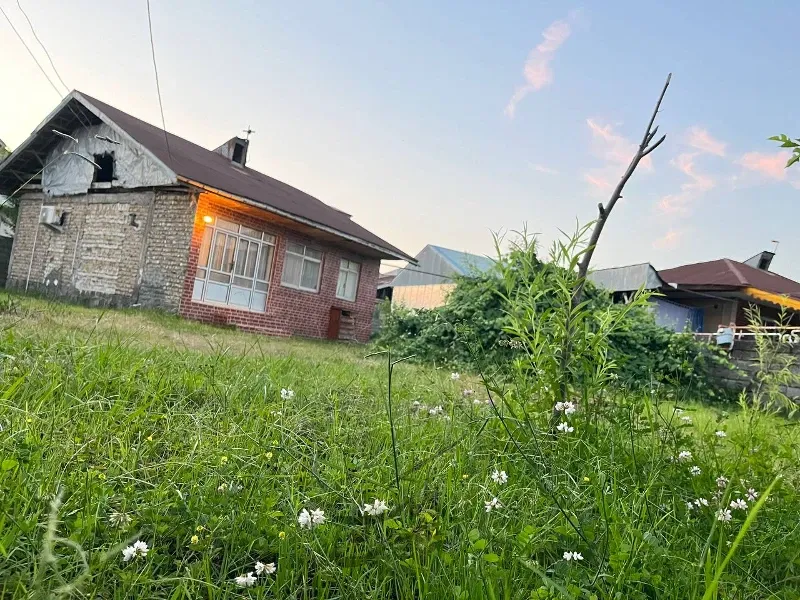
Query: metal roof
{"points": [[464, 262], [628, 278], [189, 162], [727, 273]]}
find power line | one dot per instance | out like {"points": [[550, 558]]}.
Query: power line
{"points": [[158, 87], [46, 53], [33, 56]]}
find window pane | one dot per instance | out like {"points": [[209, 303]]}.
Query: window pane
{"points": [[264, 263], [223, 224], [200, 274], [219, 250], [258, 301], [216, 292], [262, 286], [313, 254], [221, 277], [197, 292], [205, 247], [270, 239], [253, 233], [242, 282], [252, 255], [239, 297], [296, 248], [340, 285], [310, 275], [241, 257], [292, 266], [351, 286], [230, 249]]}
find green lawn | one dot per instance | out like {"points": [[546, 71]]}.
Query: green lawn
{"points": [[120, 426]]}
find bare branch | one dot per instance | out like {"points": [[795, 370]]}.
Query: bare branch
{"points": [[655, 112], [654, 146], [650, 135]]}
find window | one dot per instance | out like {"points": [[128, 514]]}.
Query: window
{"points": [[238, 153], [234, 266], [105, 174], [347, 286], [302, 268]]}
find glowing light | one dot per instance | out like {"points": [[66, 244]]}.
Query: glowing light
{"points": [[208, 219]]}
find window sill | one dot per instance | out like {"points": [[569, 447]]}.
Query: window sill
{"points": [[353, 301], [300, 289], [230, 306]]}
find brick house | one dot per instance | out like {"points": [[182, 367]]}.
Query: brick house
{"points": [[117, 212]]}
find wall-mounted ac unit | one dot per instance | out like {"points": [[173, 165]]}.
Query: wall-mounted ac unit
{"points": [[49, 215]]}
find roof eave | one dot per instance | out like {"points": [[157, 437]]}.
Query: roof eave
{"points": [[390, 254]]}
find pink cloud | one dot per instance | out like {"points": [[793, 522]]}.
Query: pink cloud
{"points": [[544, 169], [699, 139], [537, 71], [668, 240], [690, 191], [770, 165], [612, 146], [598, 182]]}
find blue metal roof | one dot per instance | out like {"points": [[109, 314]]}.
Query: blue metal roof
{"points": [[464, 262]]}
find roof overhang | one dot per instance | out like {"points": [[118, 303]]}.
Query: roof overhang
{"points": [[381, 251], [772, 298]]}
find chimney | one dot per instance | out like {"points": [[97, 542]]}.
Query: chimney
{"points": [[762, 260], [235, 150]]}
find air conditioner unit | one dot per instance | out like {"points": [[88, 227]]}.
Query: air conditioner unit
{"points": [[50, 216]]}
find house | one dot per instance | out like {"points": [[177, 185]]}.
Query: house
{"points": [[120, 212], [705, 296], [427, 283]]}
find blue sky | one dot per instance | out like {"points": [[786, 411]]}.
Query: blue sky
{"points": [[399, 113]]}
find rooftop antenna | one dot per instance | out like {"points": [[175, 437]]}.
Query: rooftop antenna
{"points": [[775, 249], [247, 132]]}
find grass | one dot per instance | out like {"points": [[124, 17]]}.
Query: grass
{"points": [[182, 428]]}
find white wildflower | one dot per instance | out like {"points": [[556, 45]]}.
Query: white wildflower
{"points": [[499, 477], [265, 569], [568, 556], [317, 516], [376, 509], [436, 410], [752, 495], [724, 515], [467, 393], [492, 504], [701, 502], [138, 549], [287, 394], [247, 580], [739, 504], [695, 471], [309, 520], [119, 519], [689, 506], [455, 376], [564, 427], [568, 408], [722, 481], [686, 419], [721, 434], [684, 455], [477, 401]]}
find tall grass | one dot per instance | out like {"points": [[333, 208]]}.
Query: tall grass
{"points": [[183, 430]]}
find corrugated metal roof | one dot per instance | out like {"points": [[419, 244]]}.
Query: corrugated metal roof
{"points": [[464, 262], [627, 279], [730, 273]]}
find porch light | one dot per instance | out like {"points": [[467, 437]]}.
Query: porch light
{"points": [[208, 219]]}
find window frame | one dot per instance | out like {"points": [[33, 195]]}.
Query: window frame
{"points": [[347, 270], [303, 258], [243, 242]]}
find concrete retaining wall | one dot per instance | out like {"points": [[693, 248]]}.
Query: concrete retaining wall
{"points": [[745, 359]]}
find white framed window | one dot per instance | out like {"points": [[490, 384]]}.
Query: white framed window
{"points": [[302, 268], [234, 266], [347, 286]]}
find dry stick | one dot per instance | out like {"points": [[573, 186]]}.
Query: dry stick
{"points": [[645, 148]]}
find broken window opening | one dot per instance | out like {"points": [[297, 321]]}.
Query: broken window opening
{"points": [[105, 174], [238, 153]]}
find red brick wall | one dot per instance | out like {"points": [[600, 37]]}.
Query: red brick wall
{"points": [[289, 311]]}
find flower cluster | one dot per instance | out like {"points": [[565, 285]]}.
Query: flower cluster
{"points": [[376, 509], [568, 556], [568, 408], [249, 580], [684, 455], [455, 376], [287, 394], [310, 520], [499, 477], [565, 427], [139, 548], [492, 504]]}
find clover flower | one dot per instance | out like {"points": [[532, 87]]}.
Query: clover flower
{"points": [[376, 509], [246, 580], [139, 548], [492, 504], [568, 556], [287, 394], [265, 568], [695, 471], [499, 477], [309, 520], [564, 427]]}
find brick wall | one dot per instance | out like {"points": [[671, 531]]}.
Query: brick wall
{"points": [[289, 311], [96, 256]]}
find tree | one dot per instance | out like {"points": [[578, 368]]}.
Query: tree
{"points": [[787, 142]]}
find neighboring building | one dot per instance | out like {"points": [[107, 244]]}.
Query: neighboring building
{"points": [[704, 296], [161, 222], [427, 283]]}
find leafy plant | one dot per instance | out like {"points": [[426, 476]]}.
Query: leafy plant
{"points": [[787, 142]]}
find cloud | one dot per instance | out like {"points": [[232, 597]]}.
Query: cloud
{"points": [[544, 169], [698, 184], [699, 139], [537, 71], [613, 147], [669, 239], [598, 182], [770, 165]]}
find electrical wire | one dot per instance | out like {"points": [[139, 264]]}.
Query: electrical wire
{"points": [[46, 53], [33, 56], [158, 87]]}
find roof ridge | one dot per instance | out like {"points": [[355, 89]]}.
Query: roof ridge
{"points": [[736, 271]]}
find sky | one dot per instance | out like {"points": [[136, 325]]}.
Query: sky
{"points": [[448, 122]]}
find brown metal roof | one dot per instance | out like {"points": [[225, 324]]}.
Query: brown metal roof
{"points": [[195, 163], [731, 274]]}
